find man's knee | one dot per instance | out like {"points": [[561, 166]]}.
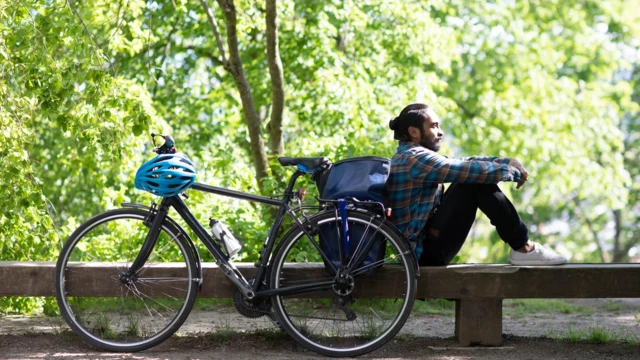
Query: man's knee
{"points": [[430, 260]]}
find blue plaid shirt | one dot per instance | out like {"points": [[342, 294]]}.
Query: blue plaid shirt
{"points": [[415, 184]]}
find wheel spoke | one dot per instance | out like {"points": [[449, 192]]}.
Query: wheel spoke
{"points": [[361, 243], [130, 314], [377, 263], [339, 322]]}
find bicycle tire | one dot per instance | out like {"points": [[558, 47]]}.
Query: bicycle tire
{"points": [[362, 336], [150, 308]]}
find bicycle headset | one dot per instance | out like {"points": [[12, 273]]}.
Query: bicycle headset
{"points": [[166, 175]]}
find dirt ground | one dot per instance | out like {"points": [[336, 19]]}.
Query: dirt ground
{"points": [[423, 336], [48, 346]]}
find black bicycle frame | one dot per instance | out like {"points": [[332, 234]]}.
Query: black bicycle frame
{"points": [[222, 260]]}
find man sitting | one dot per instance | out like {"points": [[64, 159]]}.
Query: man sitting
{"points": [[437, 224]]}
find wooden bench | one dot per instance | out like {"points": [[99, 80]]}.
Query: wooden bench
{"points": [[478, 289]]}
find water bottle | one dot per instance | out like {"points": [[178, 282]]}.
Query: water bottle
{"points": [[222, 233]]}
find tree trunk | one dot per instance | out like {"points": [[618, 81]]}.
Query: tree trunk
{"points": [[604, 257], [235, 68], [618, 254], [277, 80]]}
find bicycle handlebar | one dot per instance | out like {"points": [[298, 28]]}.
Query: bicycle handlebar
{"points": [[167, 148]]}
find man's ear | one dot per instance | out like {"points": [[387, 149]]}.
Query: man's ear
{"points": [[414, 131]]}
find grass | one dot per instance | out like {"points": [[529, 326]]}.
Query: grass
{"points": [[371, 329], [595, 335], [523, 307], [434, 306], [613, 305], [520, 307], [212, 304], [103, 328], [512, 307], [223, 332], [303, 327], [133, 328], [116, 304], [385, 308]]}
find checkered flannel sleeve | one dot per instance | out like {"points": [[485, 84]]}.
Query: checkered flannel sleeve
{"points": [[431, 167], [501, 160]]}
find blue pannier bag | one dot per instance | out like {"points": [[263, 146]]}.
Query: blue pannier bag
{"points": [[362, 178]]}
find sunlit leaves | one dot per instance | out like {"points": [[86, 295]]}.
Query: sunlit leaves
{"points": [[553, 83]]}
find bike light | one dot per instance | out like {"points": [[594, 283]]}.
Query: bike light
{"points": [[303, 192], [388, 212]]}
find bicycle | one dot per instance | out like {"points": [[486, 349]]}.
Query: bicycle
{"points": [[146, 270]]}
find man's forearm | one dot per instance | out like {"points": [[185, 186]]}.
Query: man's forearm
{"points": [[500, 160], [432, 168]]}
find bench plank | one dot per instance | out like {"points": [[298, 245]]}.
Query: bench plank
{"points": [[477, 288], [469, 281]]}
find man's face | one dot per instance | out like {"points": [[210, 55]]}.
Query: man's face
{"points": [[431, 134]]}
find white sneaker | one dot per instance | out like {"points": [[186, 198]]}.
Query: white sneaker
{"points": [[539, 256]]}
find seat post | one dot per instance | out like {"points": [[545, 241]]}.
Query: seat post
{"points": [[292, 182]]}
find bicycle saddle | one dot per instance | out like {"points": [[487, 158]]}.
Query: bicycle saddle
{"points": [[308, 162]]}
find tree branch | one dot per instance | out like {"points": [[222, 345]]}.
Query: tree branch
{"points": [[604, 257], [164, 56], [628, 245], [203, 52], [466, 111], [77, 14], [617, 216], [216, 31], [119, 21], [277, 80], [251, 115]]}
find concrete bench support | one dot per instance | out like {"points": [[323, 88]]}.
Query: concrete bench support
{"points": [[479, 322]]}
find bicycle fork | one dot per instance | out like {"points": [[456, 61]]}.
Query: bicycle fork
{"points": [[157, 218]]}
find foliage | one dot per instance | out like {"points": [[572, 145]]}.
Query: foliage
{"points": [[543, 86], [524, 307], [63, 123], [552, 83], [596, 335]]}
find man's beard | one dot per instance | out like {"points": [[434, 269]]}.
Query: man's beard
{"points": [[431, 144]]}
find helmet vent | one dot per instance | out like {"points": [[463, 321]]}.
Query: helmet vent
{"points": [[166, 175]]}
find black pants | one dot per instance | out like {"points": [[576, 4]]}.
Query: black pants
{"points": [[455, 216]]}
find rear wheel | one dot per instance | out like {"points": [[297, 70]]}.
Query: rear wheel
{"points": [[360, 314], [111, 310]]}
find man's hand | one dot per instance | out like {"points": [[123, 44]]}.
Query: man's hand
{"points": [[524, 174]]}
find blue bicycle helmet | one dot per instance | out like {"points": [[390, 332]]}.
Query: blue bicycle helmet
{"points": [[166, 175]]}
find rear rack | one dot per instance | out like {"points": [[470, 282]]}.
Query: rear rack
{"points": [[374, 206]]}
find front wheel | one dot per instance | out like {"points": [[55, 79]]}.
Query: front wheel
{"points": [[114, 311], [358, 315]]}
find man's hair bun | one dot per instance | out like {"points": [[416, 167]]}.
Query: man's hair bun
{"points": [[413, 115], [393, 123]]}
